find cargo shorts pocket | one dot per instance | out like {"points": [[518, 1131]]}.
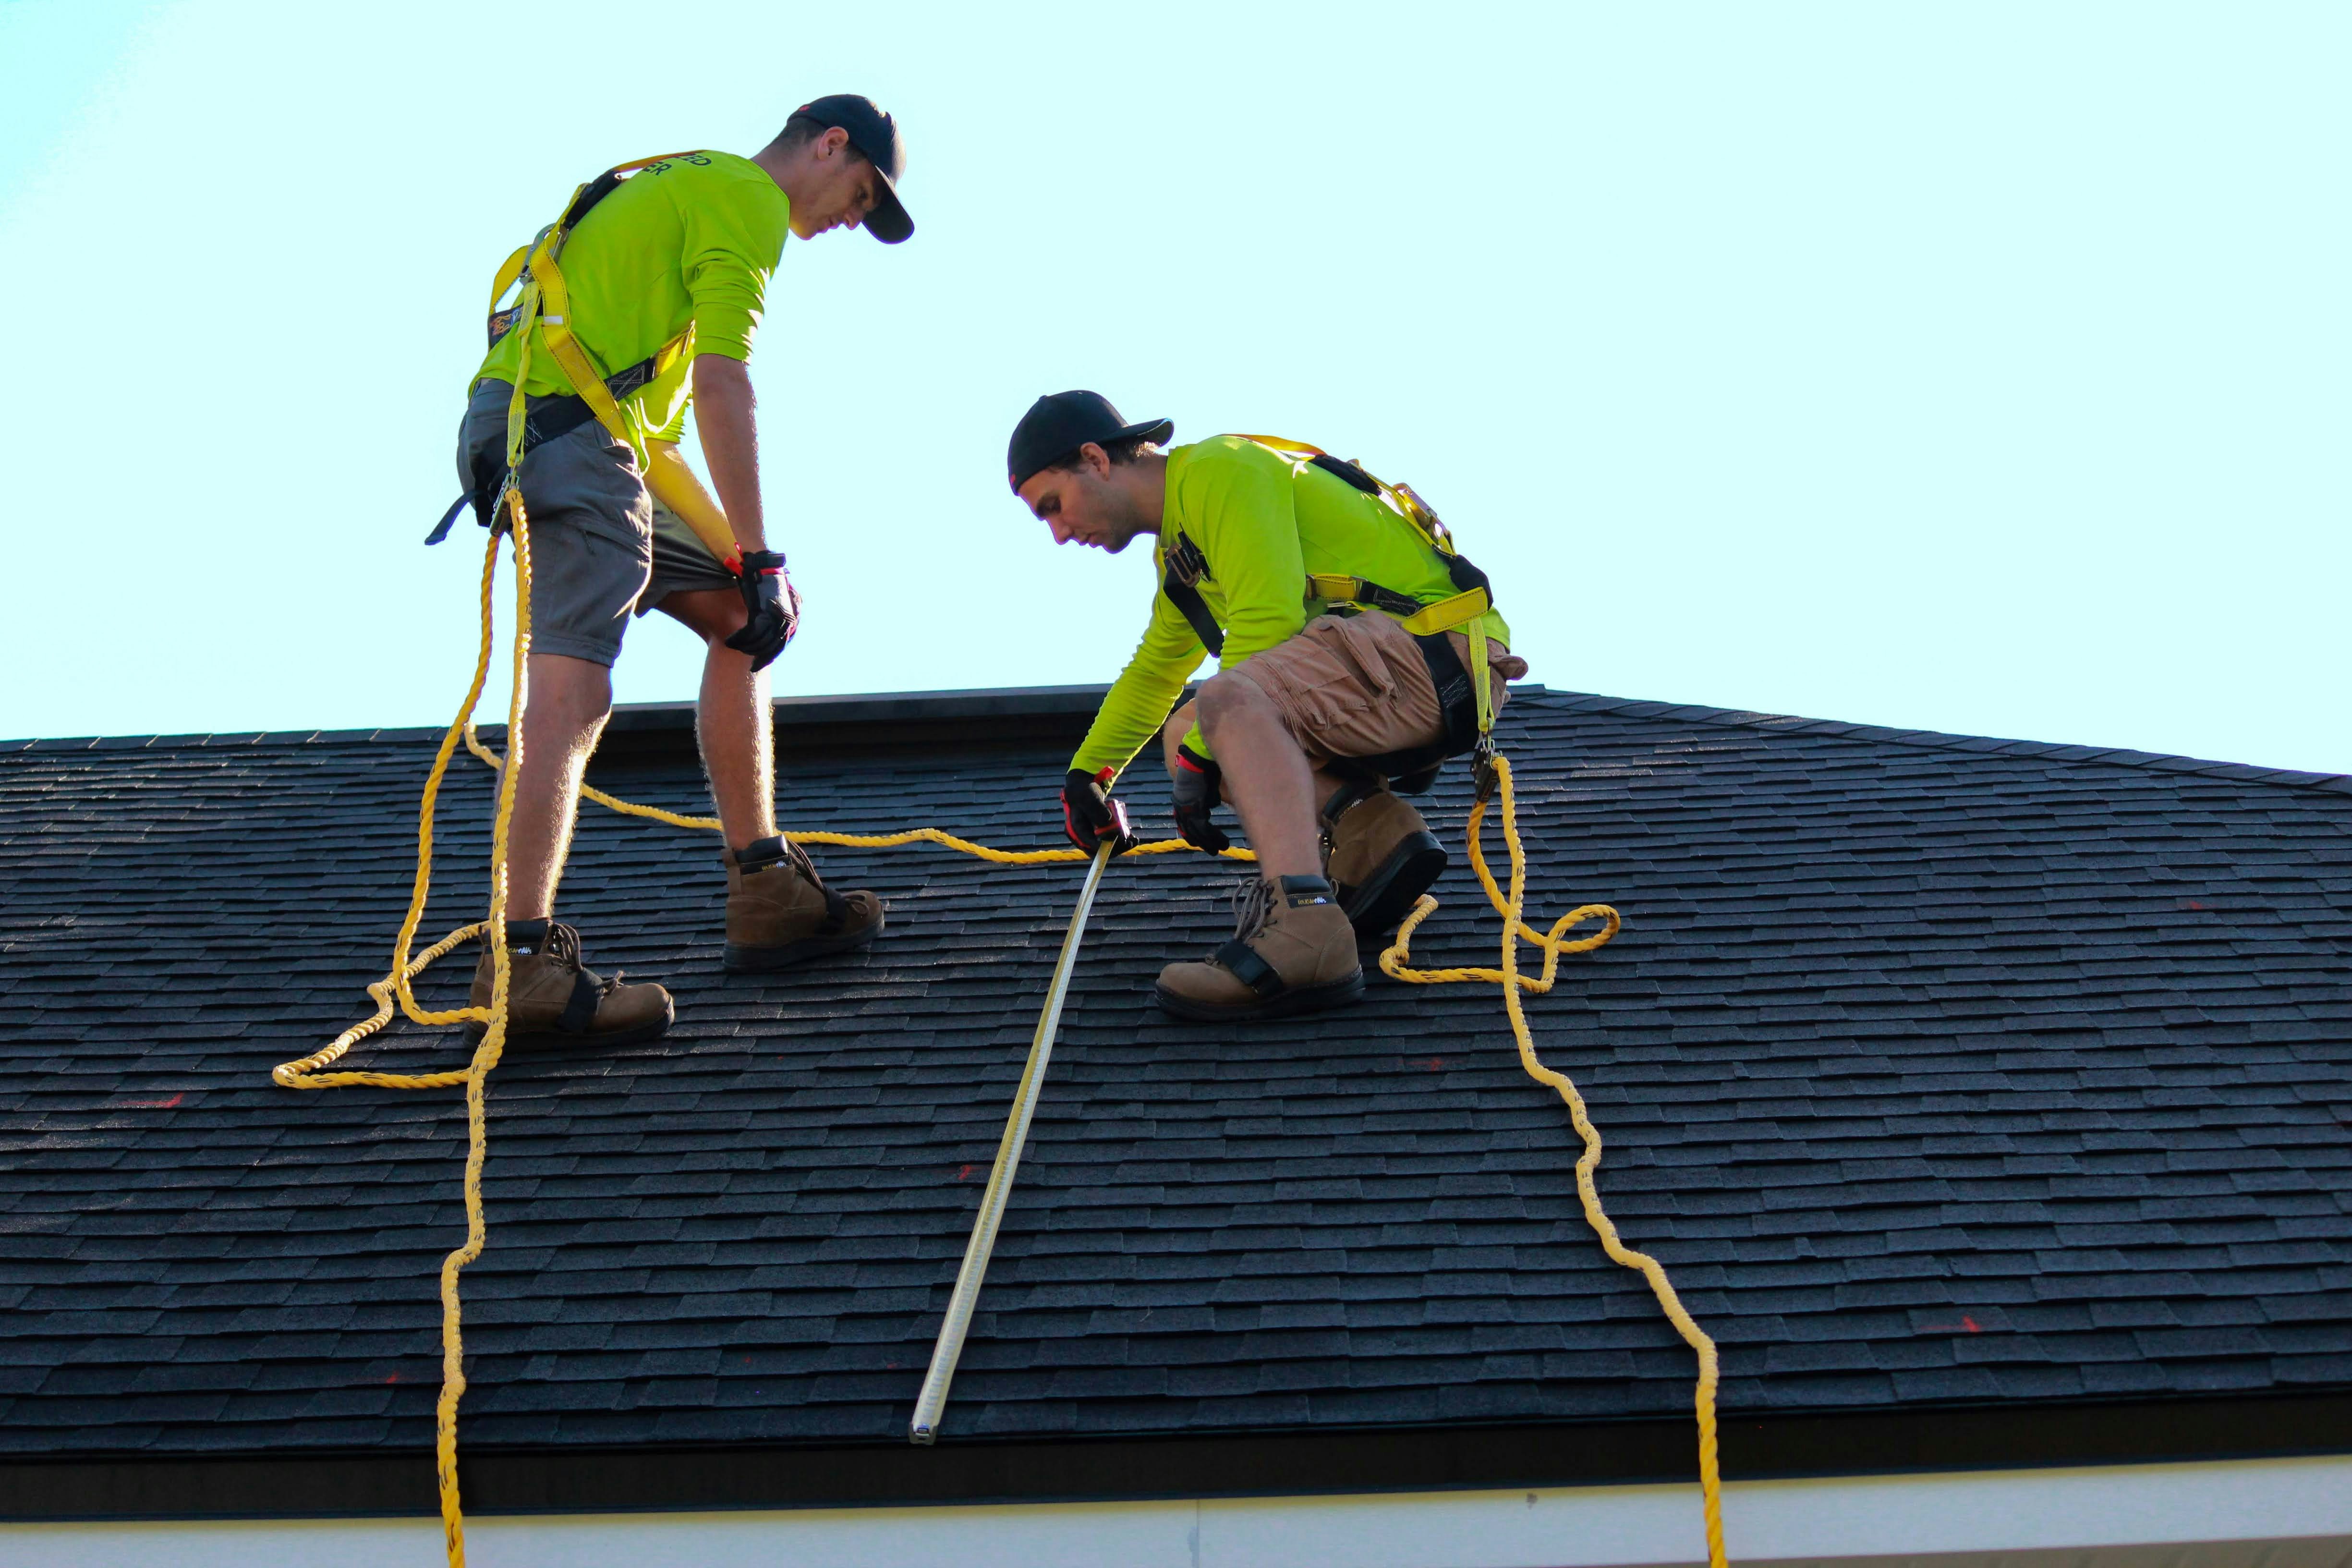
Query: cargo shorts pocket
{"points": [[1319, 675]]}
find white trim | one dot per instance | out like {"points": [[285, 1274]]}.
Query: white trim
{"points": [[2105, 1510]]}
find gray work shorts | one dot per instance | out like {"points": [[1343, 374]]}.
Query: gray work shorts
{"points": [[600, 546]]}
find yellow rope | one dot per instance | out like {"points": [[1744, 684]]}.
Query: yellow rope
{"points": [[863, 840], [397, 984], [1395, 964]]}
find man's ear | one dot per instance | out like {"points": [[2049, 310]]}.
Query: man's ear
{"points": [[1097, 461], [834, 138]]}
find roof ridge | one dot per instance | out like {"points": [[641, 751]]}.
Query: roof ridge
{"points": [[1936, 739], [1000, 702], [875, 706]]}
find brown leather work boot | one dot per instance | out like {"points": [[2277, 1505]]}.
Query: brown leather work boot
{"points": [[779, 910], [1380, 855], [553, 1000], [1293, 951]]}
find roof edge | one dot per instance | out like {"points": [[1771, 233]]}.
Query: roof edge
{"points": [[678, 1477]]}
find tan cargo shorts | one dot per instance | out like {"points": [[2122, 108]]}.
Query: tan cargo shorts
{"points": [[1358, 686]]}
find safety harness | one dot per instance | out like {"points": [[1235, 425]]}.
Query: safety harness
{"points": [[541, 299], [1467, 704]]}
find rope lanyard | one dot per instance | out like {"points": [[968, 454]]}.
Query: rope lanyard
{"points": [[396, 989], [1396, 964]]}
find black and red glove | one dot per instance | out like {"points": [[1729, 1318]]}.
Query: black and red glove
{"points": [[1199, 783], [1089, 815], [772, 607]]}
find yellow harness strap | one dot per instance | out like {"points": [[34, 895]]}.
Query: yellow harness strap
{"points": [[554, 324], [1445, 616], [677, 487]]}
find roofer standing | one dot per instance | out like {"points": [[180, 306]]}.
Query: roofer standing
{"points": [[1331, 600], [666, 274]]}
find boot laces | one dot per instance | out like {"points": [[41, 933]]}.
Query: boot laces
{"points": [[561, 949], [1254, 898]]}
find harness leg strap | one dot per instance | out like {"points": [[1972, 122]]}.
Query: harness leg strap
{"points": [[578, 1012], [1239, 958]]}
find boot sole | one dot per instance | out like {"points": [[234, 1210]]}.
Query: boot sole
{"points": [[1299, 999], [1386, 897], [742, 959], [540, 1039]]}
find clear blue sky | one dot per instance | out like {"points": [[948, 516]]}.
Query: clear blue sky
{"points": [[1977, 368]]}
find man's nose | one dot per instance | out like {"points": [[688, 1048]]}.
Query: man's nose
{"points": [[1061, 530]]}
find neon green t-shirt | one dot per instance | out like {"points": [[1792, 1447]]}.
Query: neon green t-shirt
{"points": [[1265, 521], [685, 243]]}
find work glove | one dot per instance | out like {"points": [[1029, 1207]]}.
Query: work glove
{"points": [[1089, 815], [773, 604], [1198, 785]]}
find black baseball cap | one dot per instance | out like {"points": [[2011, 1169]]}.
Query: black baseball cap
{"points": [[1060, 423], [874, 134]]}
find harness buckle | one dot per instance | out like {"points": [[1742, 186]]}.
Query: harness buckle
{"points": [[502, 516], [1483, 776]]}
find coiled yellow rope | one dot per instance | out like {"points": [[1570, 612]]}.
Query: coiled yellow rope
{"points": [[395, 987], [1396, 964]]}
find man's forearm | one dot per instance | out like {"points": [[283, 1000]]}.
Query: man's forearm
{"points": [[723, 412]]}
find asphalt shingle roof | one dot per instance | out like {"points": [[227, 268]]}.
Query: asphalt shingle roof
{"points": [[1935, 1071]]}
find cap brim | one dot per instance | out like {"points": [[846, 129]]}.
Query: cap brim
{"points": [[888, 221]]}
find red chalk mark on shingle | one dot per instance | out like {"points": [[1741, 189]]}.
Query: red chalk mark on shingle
{"points": [[963, 1174], [170, 1104], [393, 1378], [2190, 904], [1426, 1064], [1967, 1325]]}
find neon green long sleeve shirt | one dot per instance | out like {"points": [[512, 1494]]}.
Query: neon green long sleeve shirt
{"points": [[687, 242], [1264, 521]]}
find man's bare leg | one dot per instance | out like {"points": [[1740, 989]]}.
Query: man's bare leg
{"points": [[1180, 724], [1268, 776], [1301, 945], [564, 714], [731, 722]]}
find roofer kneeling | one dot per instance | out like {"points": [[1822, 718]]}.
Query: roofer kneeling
{"points": [[1342, 621], [662, 280]]}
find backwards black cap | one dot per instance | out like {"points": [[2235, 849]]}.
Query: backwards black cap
{"points": [[1060, 423], [874, 134]]}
